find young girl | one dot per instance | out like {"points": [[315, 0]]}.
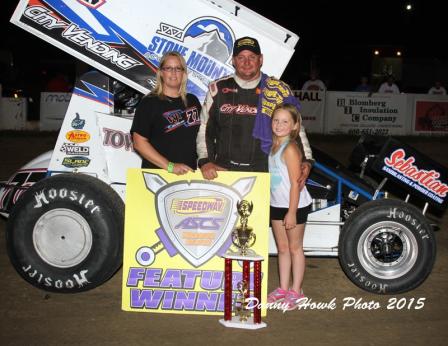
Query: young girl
{"points": [[289, 205]]}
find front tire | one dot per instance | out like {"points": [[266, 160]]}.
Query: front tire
{"points": [[387, 247], [66, 233]]}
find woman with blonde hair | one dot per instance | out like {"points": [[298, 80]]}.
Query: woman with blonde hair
{"points": [[167, 120]]}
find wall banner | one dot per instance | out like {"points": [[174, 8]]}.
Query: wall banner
{"points": [[357, 113], [176, 228], [430, 115], [53, 106], [312, 110]]}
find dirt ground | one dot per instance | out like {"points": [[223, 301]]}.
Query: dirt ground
{"points": [[29, 316]]}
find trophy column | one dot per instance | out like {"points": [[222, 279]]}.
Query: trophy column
{"points": [[228, 290], [242, 318]]}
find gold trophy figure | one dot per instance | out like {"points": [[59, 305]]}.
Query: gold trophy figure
{"points": [[241, 303], [242, 236]]}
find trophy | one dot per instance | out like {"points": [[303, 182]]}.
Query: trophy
{"points": [[243, 237]]}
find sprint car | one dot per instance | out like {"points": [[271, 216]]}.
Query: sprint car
{"points": [[65, 208]]}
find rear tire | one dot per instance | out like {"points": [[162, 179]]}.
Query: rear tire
{"points": [[387, 247], [66, 233]]}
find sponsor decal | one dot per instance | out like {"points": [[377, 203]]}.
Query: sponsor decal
{"points": [[213, 41], [365, 281], [238, 109], [47, 196], [206, 43], [403, 216], [92, 3], [78, 36], [229, 90], [78, 280], [78, 123], [425, 181], [73, 149], [75, 161], [178, 118], [83, 38], [117, 139], [77, 136]]}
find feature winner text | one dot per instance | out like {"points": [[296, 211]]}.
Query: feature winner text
{"points": [[179, 289]]}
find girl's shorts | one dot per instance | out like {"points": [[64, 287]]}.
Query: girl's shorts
{"points": [[301, 214]]}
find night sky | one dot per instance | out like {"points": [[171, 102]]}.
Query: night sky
{"points": [[338, 37]]}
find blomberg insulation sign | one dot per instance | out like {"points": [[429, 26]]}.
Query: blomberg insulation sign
{"points": [[176, 228], [359, 113], [420, 175]]}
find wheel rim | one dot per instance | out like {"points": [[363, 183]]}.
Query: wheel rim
{"points": [[387, 250], [62, 238]]}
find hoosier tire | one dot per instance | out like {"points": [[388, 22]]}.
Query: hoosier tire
{"points": [[387, 247], [66, 233]]}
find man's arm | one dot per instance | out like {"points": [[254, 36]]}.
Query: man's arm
{"points": [[306, 145], [205, 140], [308, 161], [201, 142]]}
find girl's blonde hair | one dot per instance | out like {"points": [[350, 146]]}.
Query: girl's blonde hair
{"points": [[158, 90], [295, 116]]}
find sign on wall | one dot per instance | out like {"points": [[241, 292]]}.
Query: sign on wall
{"points": [[53, 106], [430, 115], [13, 112], [312, 110], [358, 113], [176, 228]]}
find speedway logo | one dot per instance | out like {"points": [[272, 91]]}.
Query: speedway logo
{"points": [[77, 136], [73, 149], [198, 205], [197, 227], [412, 175]]}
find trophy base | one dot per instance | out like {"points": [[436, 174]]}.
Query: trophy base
{"points": [[236, 323]]}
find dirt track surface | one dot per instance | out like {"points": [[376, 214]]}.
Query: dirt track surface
{"points": [[29, 316]]}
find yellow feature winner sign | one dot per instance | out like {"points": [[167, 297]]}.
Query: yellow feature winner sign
{"points": [[177, 228]]}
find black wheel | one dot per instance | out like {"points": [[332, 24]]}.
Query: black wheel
{"points": [[387, 246], [66, 233]]}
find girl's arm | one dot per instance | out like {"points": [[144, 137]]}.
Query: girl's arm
{"points": [[293, 160]]}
